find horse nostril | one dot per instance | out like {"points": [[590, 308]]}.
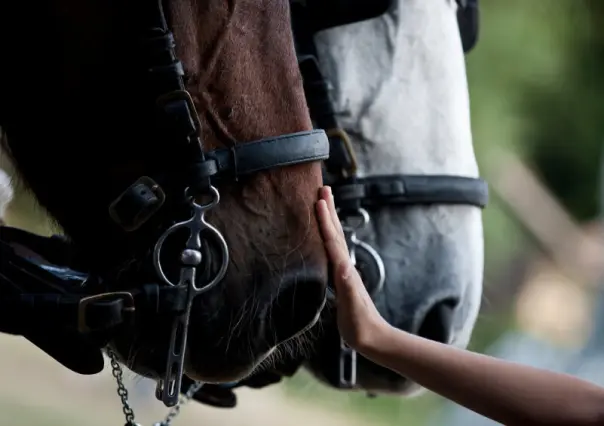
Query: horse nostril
{"points": [[438, 322], [296, 307]]}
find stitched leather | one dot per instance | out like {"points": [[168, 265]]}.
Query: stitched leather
{"points": [[270, 153]]}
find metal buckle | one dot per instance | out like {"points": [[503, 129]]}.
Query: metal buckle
{"points": [[144, 214], [341, 133], [82, 326]]}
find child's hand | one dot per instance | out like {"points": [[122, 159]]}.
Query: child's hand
{"points": [[359, 322]]}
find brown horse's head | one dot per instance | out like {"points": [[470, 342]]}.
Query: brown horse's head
{"points": [[80, 131]]}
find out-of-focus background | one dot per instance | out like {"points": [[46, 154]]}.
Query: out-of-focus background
{"points": [[537, 93]]}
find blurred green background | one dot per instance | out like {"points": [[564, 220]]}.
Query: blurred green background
{"points": [[537, 89]]}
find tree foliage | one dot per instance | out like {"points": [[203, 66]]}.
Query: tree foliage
{"points": [[537, 88]]}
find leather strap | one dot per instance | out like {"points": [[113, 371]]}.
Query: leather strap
{"points": [[267, 154], [468, 23], [36, 296], [379, 191], [323, 14]]}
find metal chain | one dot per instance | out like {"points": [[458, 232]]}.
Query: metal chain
{"points": [[175, 411], [118, 373]]}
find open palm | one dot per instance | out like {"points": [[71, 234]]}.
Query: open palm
{"points": [[359, 321]]}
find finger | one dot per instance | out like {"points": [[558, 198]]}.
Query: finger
{"points": [[339, 252], [337, 225], [327, 195], [334, 243], [334, 214], [325, 223], [325, 192]]}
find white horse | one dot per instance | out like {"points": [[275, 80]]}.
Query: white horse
{"points": [[400, 88]]}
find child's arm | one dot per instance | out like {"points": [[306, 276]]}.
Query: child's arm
{"points": [[509, 393], [512, 394]]}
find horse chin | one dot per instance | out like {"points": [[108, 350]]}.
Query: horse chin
{"points": [[206, 373], [153, 367], [217, 377]]}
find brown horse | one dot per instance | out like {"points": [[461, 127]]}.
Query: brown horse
{"points": [[77, 127]]}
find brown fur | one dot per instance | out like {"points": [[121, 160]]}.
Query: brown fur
{"points": [[71, 117]]}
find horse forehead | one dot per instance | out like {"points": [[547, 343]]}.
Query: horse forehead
{"points": [[400, 82], [407, 38]]}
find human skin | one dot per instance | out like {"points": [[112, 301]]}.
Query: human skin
{"points": [[509, 393]]}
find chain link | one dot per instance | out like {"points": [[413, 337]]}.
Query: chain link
{"points": [[118, 373], [175, 411]]}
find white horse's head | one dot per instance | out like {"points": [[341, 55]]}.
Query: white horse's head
{"points": [[400, 90]]}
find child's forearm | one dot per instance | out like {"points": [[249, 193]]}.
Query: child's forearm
{"points": [[508, 393]]}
